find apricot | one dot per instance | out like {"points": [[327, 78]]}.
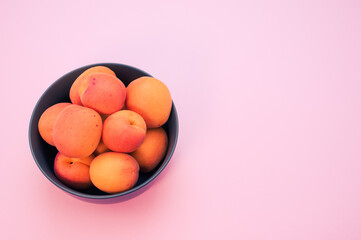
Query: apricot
{"points": [[47, 121], [102, 92], [101, 148], [73, 172], [151, 99], [77, 131], [124, 131], [152, 150], [114, 172], [74, 90]]}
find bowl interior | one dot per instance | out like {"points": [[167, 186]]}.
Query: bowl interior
{"points": [[44, 154]]}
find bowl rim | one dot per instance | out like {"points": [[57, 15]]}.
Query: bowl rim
{"points": [[108, 196]]}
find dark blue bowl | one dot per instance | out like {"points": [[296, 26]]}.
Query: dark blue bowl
{"points": [[44, 154]]}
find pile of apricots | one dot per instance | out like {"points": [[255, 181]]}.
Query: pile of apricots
{"points": [[108, 133]]}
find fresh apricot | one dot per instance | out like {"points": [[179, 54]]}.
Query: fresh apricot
{"points": [[101, 148], [102, 92], [77, 131], [151, 99], [74, 90], [47, 121], [114, 172], [73, 172], [124, 131], [152, 150]]}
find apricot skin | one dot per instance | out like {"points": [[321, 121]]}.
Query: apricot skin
{"points": [[73, 172], [114, 172], [102, 92], [151, 99], [101, 148], [77, 131], [74, 90], [152, 150], [124, 131], [47, 121]]}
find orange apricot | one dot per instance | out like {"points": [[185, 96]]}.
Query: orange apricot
{"points": [[47, 121], [102, 92], [151, 99], [73, 172], [101, 148], [152, 150], [77, 131], [124, 131], [114, 172], [74, 90]]}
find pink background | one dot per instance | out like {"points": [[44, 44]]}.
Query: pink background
{"points": [[269, 104]]}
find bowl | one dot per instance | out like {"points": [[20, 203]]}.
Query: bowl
{"points": [[44, 154]]}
